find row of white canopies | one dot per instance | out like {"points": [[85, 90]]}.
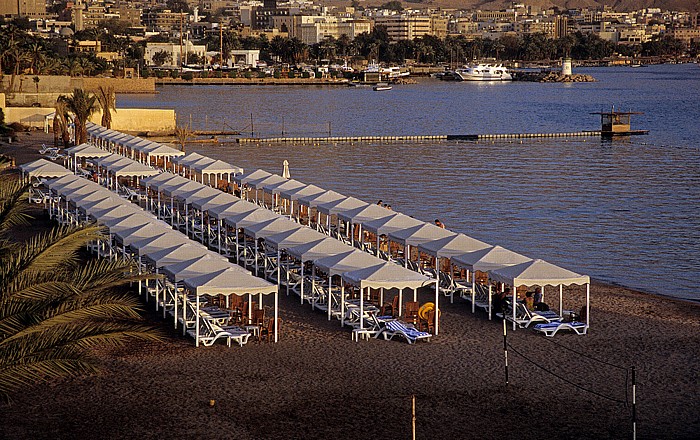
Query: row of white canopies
{"points": [[155, 245], [502, 265], [157, 155]]}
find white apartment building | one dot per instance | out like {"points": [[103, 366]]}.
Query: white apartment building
{"points": [[173, 49]]}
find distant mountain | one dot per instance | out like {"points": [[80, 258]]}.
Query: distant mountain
{"points": [[617, 5]]}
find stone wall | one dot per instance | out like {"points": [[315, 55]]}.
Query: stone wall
{"points": [[66, 84], [131, 120]]}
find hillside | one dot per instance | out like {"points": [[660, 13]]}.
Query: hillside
{"points": [[618, 5]]}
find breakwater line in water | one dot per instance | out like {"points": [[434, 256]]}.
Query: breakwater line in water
{"points": [[445, 137]]}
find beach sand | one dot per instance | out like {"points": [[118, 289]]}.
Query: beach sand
{"points": [[316, 383]]}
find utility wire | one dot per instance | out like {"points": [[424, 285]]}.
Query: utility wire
{"points": [[567, 380]]}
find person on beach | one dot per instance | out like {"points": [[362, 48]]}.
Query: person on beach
{"points": [[529, 301], [538, 295], [499, 300], [380, 203], [439, 224]]}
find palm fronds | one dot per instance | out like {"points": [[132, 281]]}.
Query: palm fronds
{"points": [[107, 99], [55, 307]]}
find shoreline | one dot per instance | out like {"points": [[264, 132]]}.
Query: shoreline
{"points": [[317, 383]]}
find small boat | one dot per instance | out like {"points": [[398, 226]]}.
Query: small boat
{"points": [[484, 72], [381, 87]]}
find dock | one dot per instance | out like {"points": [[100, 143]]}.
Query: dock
{"points": [[419, 138]]}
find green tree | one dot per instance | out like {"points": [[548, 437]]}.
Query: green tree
{"points": [[82, 104], [161, 57], [56, 308]]}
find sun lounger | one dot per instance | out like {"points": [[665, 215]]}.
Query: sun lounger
{"points": [[210, 332], [524, 317], [550, 329], [399, 328]]}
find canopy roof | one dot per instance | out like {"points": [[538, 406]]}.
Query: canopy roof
{"points": [[132, 169], [276, 187], [294, 237], [195, 267], [318, 249], [234, 207], [245, 219], [161, 179], [229, 281], [272, 179], [160, 150], [314, 200], [158, 242], [418, 234], [188, 159], [213, 201], [88, 151], [308, 190], [242, 179], [176, 253], [179, 187], [364, 214], [130, 235], [44, 168], [452, 245], [217, 166], [388, 276], [341, 205], [488, 259], [386, 225], [346, 262], [270, 227], [537, 273]]}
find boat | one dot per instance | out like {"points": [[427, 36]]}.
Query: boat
{"points": [[484, 72], [380, 87]]}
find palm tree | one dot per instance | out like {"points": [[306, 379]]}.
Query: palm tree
{"points": [[82, 104], [183, 134], [54, 308], [107, 100], [61, 120]]}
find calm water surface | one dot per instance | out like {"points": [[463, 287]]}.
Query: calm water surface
{"points": [[626, 211]]}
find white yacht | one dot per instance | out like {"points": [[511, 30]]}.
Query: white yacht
{"points": [[484, 72]]}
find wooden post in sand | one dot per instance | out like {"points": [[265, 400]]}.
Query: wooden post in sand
{"points": [[413, 416]]}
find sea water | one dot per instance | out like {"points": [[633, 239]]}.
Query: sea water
{"points": [[625, 210]]}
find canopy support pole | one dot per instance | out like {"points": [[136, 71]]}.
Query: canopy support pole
{"points": [[515, 291], [588, 304], [196, 321], [490, 301], [561, 300], [277, 303], [330, 289]]}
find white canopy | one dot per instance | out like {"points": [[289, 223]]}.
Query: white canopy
{"points": [[489, 259], [90, 151], [341, 205], [364, 214], [452, 246], [188, 159], [388, 276], [216, 167], [276, 186], [176, 253], [390, 224], [158, 242], [318, 249], [131, 235], [235, 207], [272, 179], [161, 179], [229, 281], [537, 273], [242, 179], [246, 219], [294, 237], [271, 227], [314, 200], [195, 267], [308, 190], [180, 187], [132, 169], [346, 262], [44, 168], [214, 201], [419, 234]]}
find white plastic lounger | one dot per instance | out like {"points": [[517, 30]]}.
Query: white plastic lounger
{"points": [[524, 317], [398, 328], [551, 329]]}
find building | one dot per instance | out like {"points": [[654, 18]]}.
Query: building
{"points": [[405, 27], [245, 58], [23, 8], [687, 35], [163, 20], [173, 51]]}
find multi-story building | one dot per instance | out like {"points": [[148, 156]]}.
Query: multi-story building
{"points": [[23, 8], [405, 27], [315, 31], [128, 14], [687, 35], [163, 20]]}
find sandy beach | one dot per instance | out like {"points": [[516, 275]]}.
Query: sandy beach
{"points": [[316, 383]]}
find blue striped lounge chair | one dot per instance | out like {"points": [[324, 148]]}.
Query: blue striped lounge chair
{"points": [[399, 328], [550, 329]]}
